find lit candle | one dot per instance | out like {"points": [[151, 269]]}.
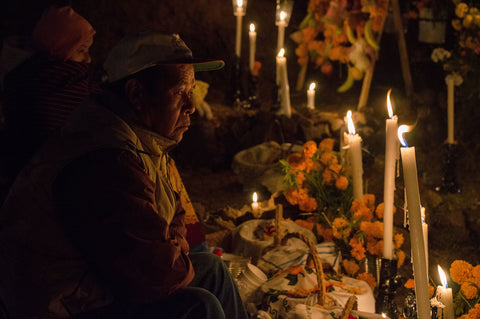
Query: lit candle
{"points": [[450, 108], [239, 13], [311, 96], [281, 30], [391, 156], [425, 235], [415, 220], [445, 296], [255, 204], [284, 88], [253, 38], [354, 144]]}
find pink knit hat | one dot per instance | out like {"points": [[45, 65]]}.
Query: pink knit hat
{"points": [[60, 31]]}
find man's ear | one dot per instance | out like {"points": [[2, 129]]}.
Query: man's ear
{"points": [[135, 93]]}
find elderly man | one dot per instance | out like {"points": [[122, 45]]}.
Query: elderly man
{"points": [[92, 227]]}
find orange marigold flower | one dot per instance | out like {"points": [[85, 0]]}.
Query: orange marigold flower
{"points": [[328, 177], [326, 233], [474, 313], [363, 212], [401, 258], [460, 271], [305, 223], [292, 196], [341, 183], [379, 211], [309, 34], [350, 267], [410, 284], [326, 145], [356, 205], [358, 251], [374, 247], [369, 200], [309, 148], [469, 290], [398, 238], [431, 290], [302, 61], [328, 158], [300, 178], [476, 275], [340, 227], [377, 229], [335, 168], [296, 162], [307, 204], [368, 278], [302, 50]]}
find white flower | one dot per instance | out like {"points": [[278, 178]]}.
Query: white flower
{"points": [[440, 54]]}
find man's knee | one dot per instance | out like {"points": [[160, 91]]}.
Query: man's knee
{"points": [[202, 303]]}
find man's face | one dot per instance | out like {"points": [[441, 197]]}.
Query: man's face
{"points": [[167, 109]]}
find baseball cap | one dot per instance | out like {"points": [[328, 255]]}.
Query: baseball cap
{"points": [[144, 50]]}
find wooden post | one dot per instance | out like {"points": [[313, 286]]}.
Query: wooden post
{"points": [[402, 47], [367, 79]]}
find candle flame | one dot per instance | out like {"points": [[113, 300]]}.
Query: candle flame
{"points": [[240, 3], [384, 315], [443, 277], [281, 53], [351, 127], [403, 129], [312, 86], [389, 104], [283, 15], [252, 27], [254, 197]]}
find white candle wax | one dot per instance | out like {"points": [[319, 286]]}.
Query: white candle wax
{"points": [[238, 39], [391, 155], [284, 89], [445, 296], [425, 235], [450, 109], [281, 34], [252, 34], [416, 232], [311, 96], [354, 142]]}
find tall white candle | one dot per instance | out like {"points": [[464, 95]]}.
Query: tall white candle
{"points": [[415, 221], [311, 96], [252, 34], [425, 235], [354, 142], [281, 30], [239, 13], [284, 88], [391, 156], [450, 108], [445, 296]]}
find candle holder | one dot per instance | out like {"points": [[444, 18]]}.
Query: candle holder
{"points": [[449, 179], [236, 81], [252, 91], [387, 286], [410, 306]]}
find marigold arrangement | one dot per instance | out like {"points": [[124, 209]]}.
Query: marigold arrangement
{"points": [[343, 32], [315, 181], [467, 299]]}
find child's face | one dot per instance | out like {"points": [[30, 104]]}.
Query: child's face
{"points": [[81, 54]]}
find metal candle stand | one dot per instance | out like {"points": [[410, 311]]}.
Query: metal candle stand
{"points": [[252, 91], [449, 180], [388, 284]]}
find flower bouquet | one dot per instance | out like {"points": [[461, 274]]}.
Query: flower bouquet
{"points": [[467, 299]]}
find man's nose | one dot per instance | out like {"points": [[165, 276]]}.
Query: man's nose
{"points": [[189, 107]]}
